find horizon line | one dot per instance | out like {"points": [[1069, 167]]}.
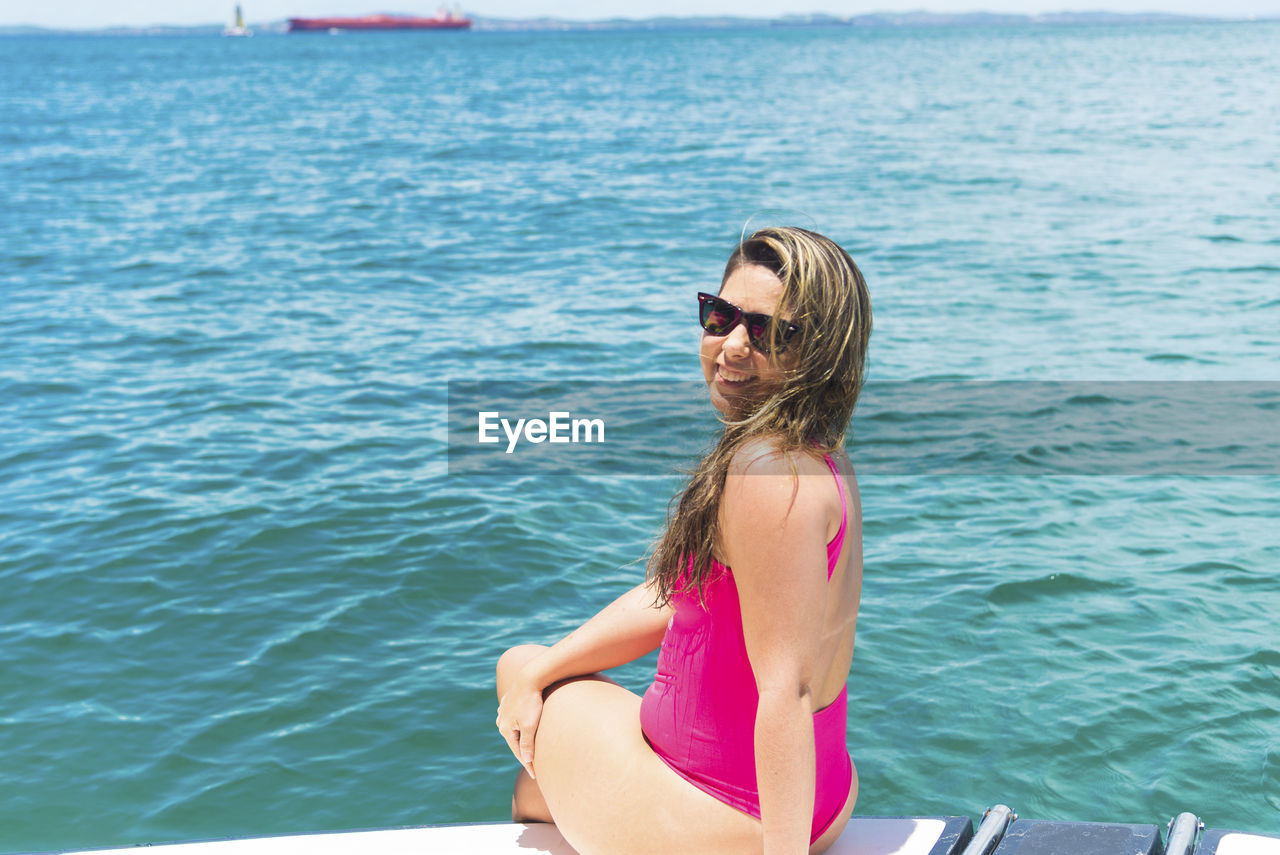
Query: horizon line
{"points": [[790, 16]]}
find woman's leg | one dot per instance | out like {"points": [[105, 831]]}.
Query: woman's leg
{"points": [[527, 804], [603, 785]]}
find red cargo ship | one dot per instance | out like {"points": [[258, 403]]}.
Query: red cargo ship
{"points": [[380, 22]]}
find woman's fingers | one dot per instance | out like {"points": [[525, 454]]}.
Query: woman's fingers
{"points": [[520, 741], [525, 730], [526, 748], [518, 724]]}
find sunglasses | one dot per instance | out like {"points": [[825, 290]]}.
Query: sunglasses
{"points": [[719, 317]]}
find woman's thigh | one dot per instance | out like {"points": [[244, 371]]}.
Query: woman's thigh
{"points": [[609, 793]]}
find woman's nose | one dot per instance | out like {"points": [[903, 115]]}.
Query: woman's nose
{"points": [[737, 342]]}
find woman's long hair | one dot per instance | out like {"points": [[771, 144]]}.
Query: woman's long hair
{"points": [[825, 294]]}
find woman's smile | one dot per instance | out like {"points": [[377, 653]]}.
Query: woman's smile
{"points": [[728, 376]]}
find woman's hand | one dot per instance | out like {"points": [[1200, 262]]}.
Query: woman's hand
{"points": [[518, 715], [625, 630]]}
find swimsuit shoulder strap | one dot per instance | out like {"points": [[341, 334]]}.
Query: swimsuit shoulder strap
{"points": [[833, 548]]}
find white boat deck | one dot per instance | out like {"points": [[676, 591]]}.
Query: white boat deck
{"points": [[863, 836], [1248, 844]]}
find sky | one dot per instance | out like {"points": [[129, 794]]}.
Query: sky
{"points": [[88, 14]]}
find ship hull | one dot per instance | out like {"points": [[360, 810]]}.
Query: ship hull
{"points": [[377, 22]]}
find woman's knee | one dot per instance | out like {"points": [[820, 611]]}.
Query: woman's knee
{"points": [[512, 661]]}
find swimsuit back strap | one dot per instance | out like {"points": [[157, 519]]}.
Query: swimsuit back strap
{"points": [[833, 548]]}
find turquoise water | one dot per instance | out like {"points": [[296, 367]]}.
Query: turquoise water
{"points": [[239, 592]]}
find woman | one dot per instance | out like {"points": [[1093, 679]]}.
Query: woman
{"points": [[739, 744]]}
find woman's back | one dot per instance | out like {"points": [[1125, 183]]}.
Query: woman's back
{"points": [[700, 713]]}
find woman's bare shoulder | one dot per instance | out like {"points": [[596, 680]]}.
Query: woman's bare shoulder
{"points": [[766, 456], [766, 481]]}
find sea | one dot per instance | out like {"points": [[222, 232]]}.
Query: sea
{"points": [[244, 592]]}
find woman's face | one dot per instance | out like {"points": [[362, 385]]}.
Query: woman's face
{"points": [[734, 370]]}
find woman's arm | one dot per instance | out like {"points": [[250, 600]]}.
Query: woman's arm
{"points": [[623, 631], [774, 533]]}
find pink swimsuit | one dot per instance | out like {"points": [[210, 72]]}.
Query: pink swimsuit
{"points": [[700, 713]]}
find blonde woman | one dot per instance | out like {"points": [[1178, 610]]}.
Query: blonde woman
{"points": [[739, 744]]}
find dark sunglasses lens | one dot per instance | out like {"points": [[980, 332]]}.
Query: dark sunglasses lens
{"points": [[717, 317], [758, 331]]}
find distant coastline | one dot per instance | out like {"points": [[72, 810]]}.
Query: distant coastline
{"points": [[874, 19]]}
